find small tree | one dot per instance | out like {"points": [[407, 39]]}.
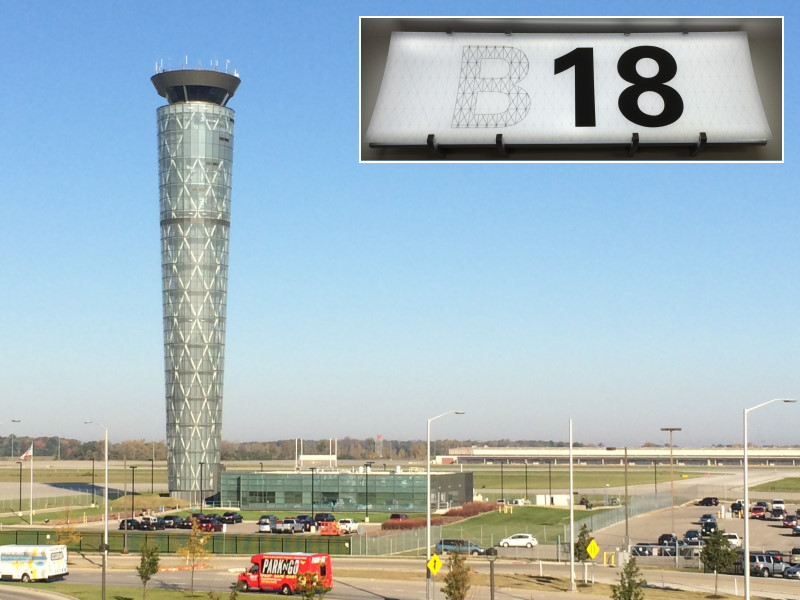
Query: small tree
{"points": [[630, 583], [717, 555], [148, 566], [456, 582], [194, 550], [68, 536], [584, 537]]}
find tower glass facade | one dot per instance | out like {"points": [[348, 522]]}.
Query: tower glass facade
{"points": [[195, 162]]}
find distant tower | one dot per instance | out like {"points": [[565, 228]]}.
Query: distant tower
{"points": [[195, 162]]}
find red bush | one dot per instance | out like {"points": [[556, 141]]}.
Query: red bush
{"points": [[471, 509], [396, 525]]}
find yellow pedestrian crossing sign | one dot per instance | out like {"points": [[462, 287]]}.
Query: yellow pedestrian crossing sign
{"points": [[434, 564], [592, 549]]}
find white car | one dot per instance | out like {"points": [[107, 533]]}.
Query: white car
{"points": [[519, 540]]}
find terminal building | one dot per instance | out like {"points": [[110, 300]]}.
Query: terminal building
{"points": [[334, 490], [643, 456]]}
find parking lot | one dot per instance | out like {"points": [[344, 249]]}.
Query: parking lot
{"points": [[764, 535]]}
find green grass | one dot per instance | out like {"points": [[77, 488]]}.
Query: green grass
{"points": [[92, 592], [486, 529], [539, 479], [786, 485]]}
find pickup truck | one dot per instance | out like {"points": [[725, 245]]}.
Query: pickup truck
{"points": [[348, 525], [289, 525]]}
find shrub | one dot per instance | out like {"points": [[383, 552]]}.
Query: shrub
{"points": [[404, 524], [471, 509]]}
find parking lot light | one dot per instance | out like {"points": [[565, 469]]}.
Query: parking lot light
{"points": [[746, 555]]}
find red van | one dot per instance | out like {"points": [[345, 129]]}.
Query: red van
{"points": [[280, 571]]}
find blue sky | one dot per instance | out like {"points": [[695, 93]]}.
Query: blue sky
{"points": [[365, 298]]}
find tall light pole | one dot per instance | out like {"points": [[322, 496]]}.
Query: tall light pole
{"points": [[746, 557], [313, 472], [428, 502], [367, 466], [133, 489], [671, 475], [19, 462], [152, 486], [104, 545]]}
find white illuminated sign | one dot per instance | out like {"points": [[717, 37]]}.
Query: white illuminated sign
{"points": [[568, 88]]}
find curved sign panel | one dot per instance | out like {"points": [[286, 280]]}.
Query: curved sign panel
{"points": [[568, 88]]}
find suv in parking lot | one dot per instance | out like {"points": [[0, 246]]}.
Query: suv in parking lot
{"points": [[458, 545], [766, 565]]}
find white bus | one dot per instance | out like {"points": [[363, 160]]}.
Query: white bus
{"points": [[33, 563]]}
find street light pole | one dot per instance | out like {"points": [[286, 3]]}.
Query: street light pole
{"points": [[671, 475], [93, 481], [104, 545], [746, 557], [133, 489], [367, 466], [19, 462], [627, 539], [313, 472], [152, 486], [428, 502]]}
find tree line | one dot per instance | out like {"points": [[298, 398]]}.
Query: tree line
{"points": [[347, 448]]}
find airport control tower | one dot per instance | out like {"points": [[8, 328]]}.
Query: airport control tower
{"points": [[195, 163]]}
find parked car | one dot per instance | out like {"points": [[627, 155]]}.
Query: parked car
{"points": [[707, 517], [324, 518], [290, 525], [777, 514], [758, 512], [519, 540], [766, 565], [789, 521], [794, 558], [737, 507], [778, 503], [645, 549], [733, 539], [129, 524], [268, 524], [666, 539], [796, 530], [448, 545], [307, 521], [152, 523], [186, 523], [398, 517], [210, 524], [792, 572], [693, 536], [348, 525], [708, 528], [708, 501], [231, 517], [172, 521]]}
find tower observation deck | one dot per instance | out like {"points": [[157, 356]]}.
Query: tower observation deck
{"points": [[195, 164]]}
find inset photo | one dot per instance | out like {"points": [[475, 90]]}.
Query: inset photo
{"points": [[571, 89]]}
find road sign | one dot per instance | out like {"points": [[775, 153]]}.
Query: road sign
{"points": [[592, 549], [434, 564]]}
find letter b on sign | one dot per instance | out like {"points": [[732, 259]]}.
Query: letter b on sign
{"points": [[477, 84]]}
